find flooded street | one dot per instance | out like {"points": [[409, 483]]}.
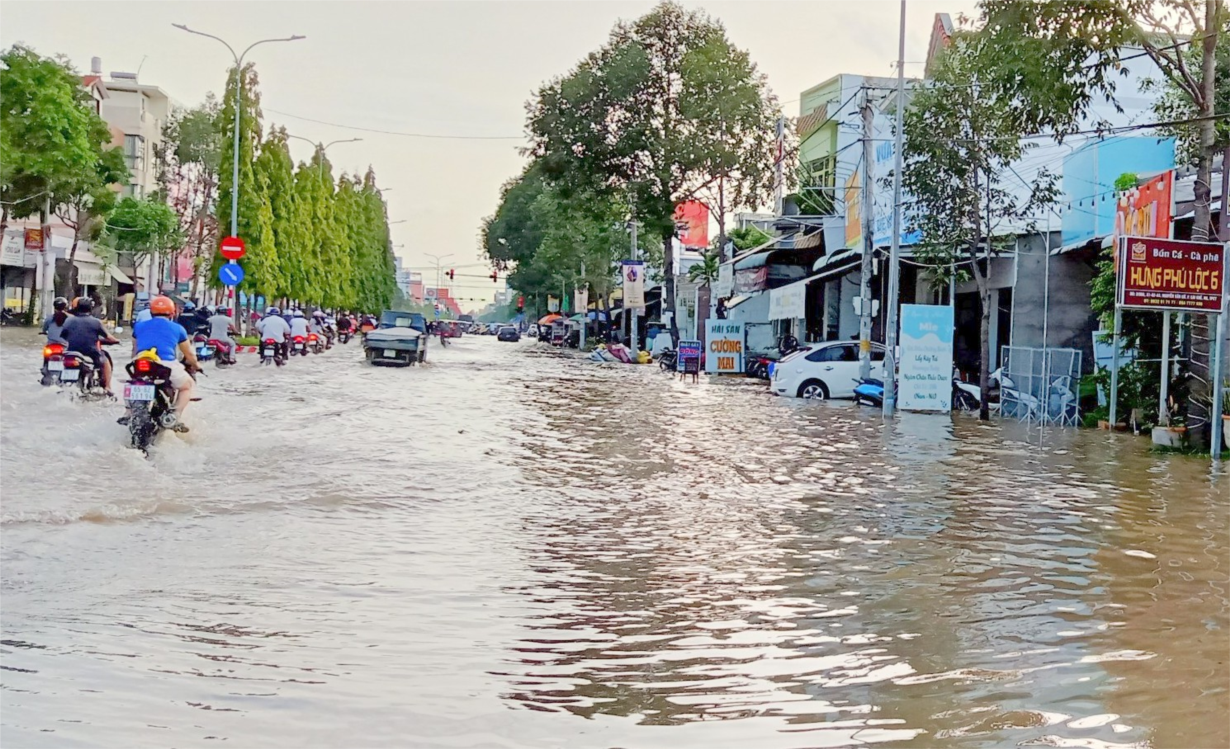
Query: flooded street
{"points": [[511, 548]]}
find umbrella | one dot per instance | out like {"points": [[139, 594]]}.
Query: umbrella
{"points": [[548, 319], [577, 318]]}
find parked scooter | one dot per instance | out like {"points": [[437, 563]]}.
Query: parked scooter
{"points": [[869, 391], [668, 360]]}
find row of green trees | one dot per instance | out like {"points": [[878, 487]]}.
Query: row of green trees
{"points": [[668, 110], [310, 237]]}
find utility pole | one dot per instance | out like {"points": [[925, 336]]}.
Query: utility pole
{"points": [[868, 220], [779, 183], [894, 257], [628, 311], [585, 310]]}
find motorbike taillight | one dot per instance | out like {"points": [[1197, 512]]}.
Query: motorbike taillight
{"points": [[144, 366], [52, 349]]}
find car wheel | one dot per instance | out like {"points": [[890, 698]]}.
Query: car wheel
{"points": [[814, 390]]}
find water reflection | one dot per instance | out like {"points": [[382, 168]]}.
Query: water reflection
{"points": [[509, 546]]}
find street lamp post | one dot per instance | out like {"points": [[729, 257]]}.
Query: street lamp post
{"points": [[322, 147], [238, 115]]}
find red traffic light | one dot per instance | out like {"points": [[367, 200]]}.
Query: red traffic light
{"points": [[494, 278], [450, 274], [521, 301]]}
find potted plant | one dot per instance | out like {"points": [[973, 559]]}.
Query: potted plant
{"points": [[1174, 432]]}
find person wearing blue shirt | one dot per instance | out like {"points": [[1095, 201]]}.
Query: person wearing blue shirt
{"points": [[166, 337]]}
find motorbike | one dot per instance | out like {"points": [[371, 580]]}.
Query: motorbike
{"points": [[758, 367], [150, 400], [668, 360], [204, 349], [315, 344], [79, 371], [298, 345], [271, 351], [224, 353], [869, 391], [53, 363], [344, 336]]}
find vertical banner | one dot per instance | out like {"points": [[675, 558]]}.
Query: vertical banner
{"points": [[580, 299], [634, 284], [552, 304], [724, 345], [926, 358]]}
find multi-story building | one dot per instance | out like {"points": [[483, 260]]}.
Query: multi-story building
{"points": [[139, 111]]}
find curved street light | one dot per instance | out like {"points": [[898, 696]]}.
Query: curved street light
{"points": [[238, 115]]}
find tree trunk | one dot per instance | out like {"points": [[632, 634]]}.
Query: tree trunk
{"points": [[1200, 391], [69, 286], [668, 255], [984, 356]]}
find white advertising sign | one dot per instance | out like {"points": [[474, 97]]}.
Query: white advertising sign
{"points": [[926, 358], [634, 283], [788, 302], [723, 347], [580, 300]]}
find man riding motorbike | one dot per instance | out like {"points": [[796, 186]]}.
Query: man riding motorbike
{"points": [[220, 327], [55, 321], [189, 319], [299, 325], [274, 326], [166, 337], [82, 333]]}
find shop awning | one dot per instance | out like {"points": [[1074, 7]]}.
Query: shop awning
{"points": [[836, 269], [736, 301], [833, 258], [119, 275]]}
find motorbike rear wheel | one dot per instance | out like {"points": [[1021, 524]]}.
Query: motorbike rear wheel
{"points": [[141, 427]]}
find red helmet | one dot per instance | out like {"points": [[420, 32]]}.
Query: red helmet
{"points": [[161, 305]]}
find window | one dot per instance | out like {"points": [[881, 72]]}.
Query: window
{"points": [[843, 352], [134, 153], [877, 353]]}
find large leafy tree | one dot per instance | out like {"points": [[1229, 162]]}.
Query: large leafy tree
{"points": [[960, 142], [55, 152], [83, 204], [189, 161], [512, 236], [667, 107], [581, 230], [273, 269], [145, 228]]}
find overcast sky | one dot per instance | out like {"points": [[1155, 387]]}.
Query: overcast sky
{"points": [[448, 68]]}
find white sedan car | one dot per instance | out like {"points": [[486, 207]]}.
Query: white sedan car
{"points": [[824, 370]]}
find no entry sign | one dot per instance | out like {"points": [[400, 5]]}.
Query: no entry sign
{"points": [[232, 248], [1170, 275]]}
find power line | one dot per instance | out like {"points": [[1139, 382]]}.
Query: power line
{"points": [[436, 136]]}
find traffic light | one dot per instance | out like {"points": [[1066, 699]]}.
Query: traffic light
{"points": [[494, 277], [450, 274], [520, 304]]}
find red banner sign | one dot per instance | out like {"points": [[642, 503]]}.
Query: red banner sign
{"points": [[695, 216], [1166, 274], [1147, 211], [34, 239]]}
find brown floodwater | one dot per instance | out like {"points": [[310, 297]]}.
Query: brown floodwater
{"points": [[511, 548]]}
